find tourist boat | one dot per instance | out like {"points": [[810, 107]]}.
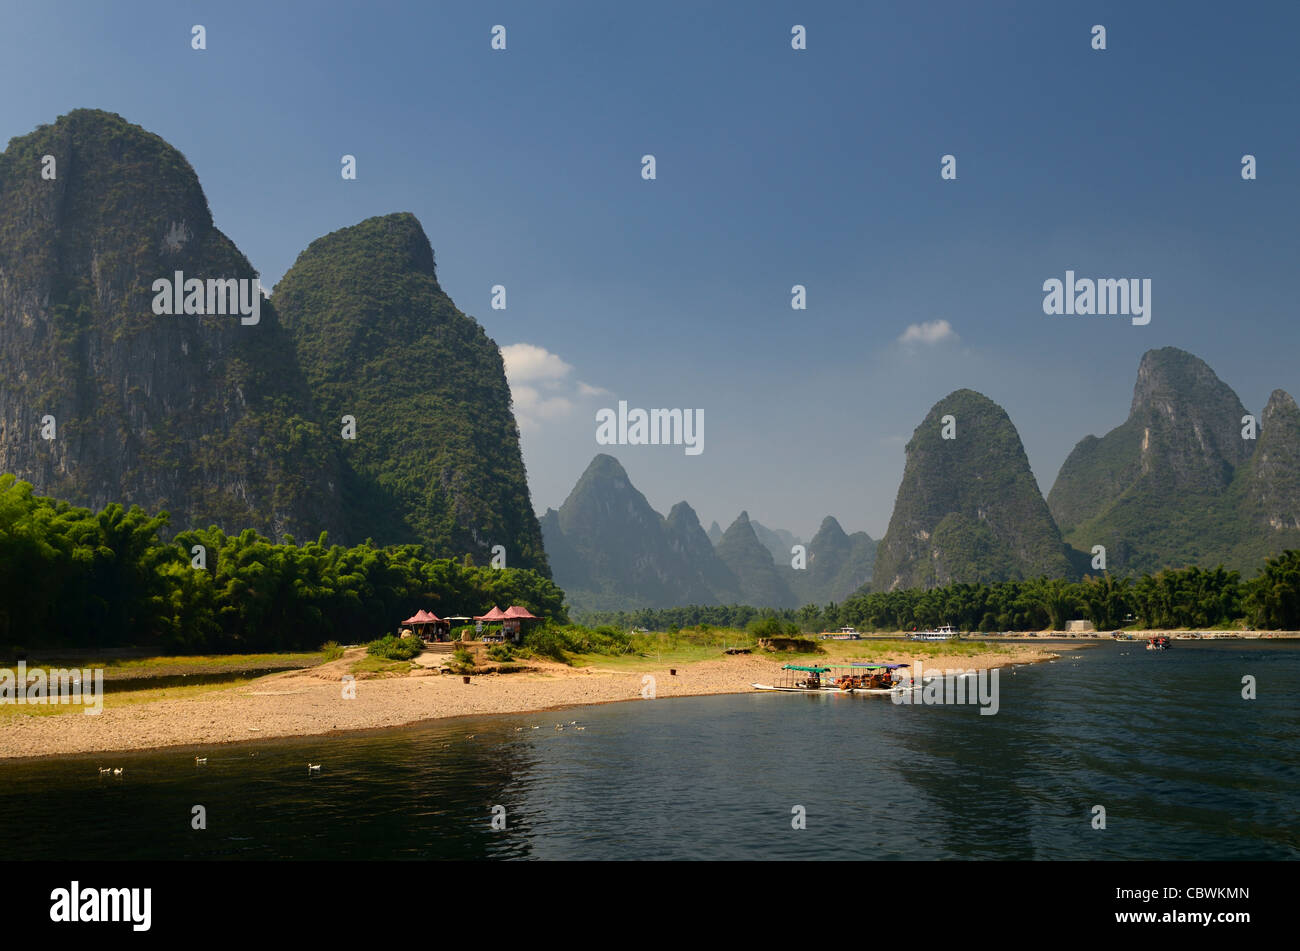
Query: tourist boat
{"points": [[1158, 644], [845, 634], [798, 679], [863, 677], [945, 633], [860, 677]]}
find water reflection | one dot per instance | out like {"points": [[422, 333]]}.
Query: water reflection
{"points": [[1183, 766]]}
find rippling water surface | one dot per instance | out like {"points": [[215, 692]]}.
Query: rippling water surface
{"points": [[1185, 768]]}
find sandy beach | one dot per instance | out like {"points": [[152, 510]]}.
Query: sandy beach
{"points": [[311, 702]]}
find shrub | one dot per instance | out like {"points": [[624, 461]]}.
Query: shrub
{"points": [[772, 627], [392, 647], [331, 650], [546, 641]]}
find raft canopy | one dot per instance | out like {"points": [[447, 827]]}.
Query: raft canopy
{"points": [[861, 665], [808, 670]]}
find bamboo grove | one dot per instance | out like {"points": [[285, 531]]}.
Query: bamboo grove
{"points": [[69, 576], [1177, 598]]}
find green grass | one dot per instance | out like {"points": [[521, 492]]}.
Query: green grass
{"points": [[114, 701], [648, 651], [371, 664], [128, 668]]}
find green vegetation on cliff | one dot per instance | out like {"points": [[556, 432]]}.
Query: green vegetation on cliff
{"points": [[1176, 483], [436, 458], [968, 508]]}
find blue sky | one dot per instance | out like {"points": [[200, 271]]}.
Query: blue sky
{"points": [[775, 167]]}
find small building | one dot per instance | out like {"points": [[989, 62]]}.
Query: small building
{"points": [[492, 617], [513, 619], [428, 625]]}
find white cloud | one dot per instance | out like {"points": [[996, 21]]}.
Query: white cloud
{"points": [[928, 332], [540, 386], [526, 363], [533, 405]]}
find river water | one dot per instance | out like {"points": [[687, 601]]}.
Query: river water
{"points": [[1184, 767]]}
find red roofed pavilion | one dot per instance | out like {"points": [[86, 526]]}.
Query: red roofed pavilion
{"points": [[512, 621], [428, 620]]}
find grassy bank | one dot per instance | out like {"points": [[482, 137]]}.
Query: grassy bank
{"points": [[115, 701], [117, 668]]}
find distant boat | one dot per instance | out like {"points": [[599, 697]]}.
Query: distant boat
{"points": [[844, 634], [945, 633], [1158, 644]]}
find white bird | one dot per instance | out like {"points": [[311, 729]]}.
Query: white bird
{"points": [[519, 729], [313, 767], [104, 770], [201, 760], [573, 723], [117, 771], [537, 728], [582, 728]]}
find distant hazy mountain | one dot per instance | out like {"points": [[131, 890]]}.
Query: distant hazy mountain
{"points": [[776, 540], [609, 550], [1176, 483], [699, 558], [612, 551], [968, 508], [761, 583], [838, 564]]}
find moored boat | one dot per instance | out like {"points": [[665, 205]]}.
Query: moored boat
{"points": [[1158, 644], [944, 633], [797, 679], [857, 677], [863, 677]]}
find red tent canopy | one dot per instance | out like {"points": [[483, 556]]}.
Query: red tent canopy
{"points": [[422, 617], [518, 612], [495, 614]]}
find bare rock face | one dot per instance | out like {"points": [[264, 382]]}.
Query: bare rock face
{"points": [[205, 417], [968, 508]]}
